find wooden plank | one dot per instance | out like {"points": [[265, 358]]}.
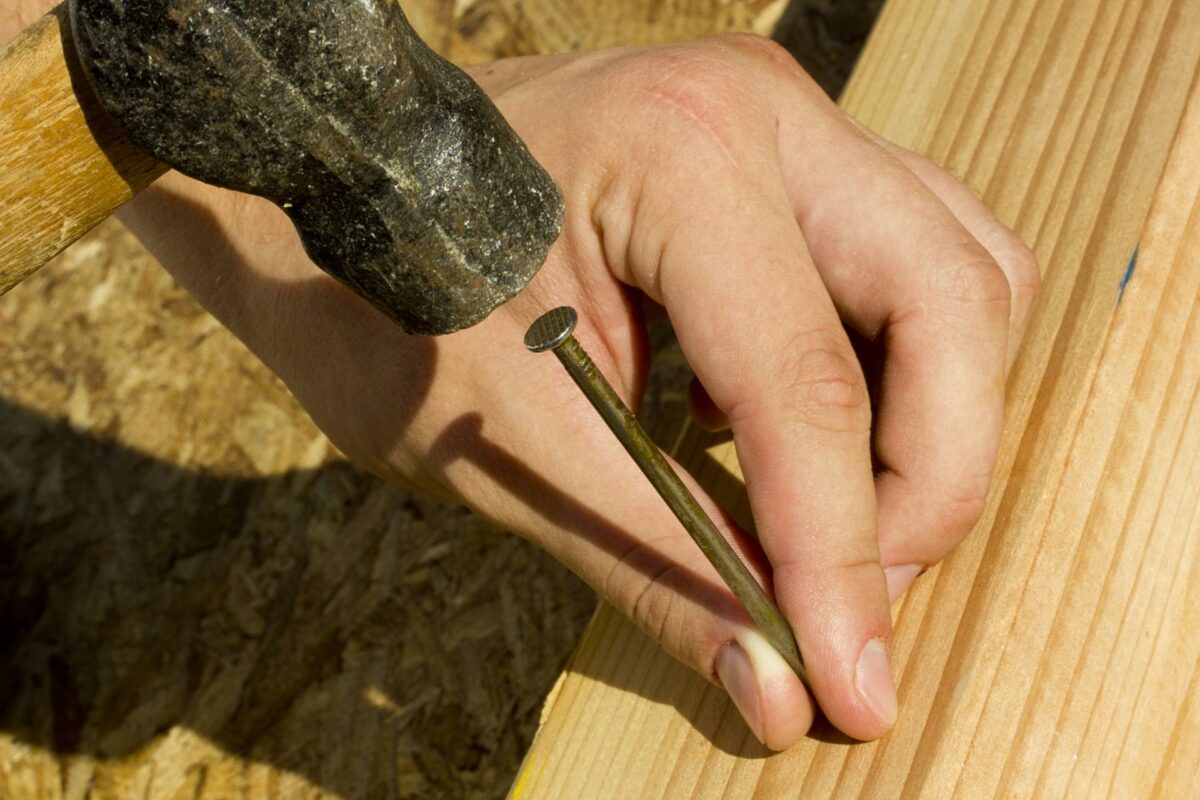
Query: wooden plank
{"points": [[1055, 652]]}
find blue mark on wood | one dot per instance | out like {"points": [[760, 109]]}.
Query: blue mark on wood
{"points": [[1128, 276]]}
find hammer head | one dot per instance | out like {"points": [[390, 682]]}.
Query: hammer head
{"points": [[403, 180]]}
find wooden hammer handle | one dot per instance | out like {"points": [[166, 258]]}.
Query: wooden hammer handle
{"points": [[64, 166]]}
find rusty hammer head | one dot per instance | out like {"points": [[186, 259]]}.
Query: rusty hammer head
{"points": [[403, 180]]}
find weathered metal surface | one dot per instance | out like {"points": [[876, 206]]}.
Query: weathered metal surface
{"points": [[403, 179]]}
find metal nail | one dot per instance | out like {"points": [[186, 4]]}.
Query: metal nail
{"points": [[553, 331]]}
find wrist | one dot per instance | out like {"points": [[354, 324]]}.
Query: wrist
{"points": [[233, 252]]}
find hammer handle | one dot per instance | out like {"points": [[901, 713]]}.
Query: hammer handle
{"points": [[64, 166]]}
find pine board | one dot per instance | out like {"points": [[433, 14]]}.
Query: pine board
{"points": [[1055, 653]]}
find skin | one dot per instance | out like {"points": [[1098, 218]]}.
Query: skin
{"points": [[712, 179]]}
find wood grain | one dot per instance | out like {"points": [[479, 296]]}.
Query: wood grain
{"points": [[1055, 653], [64, 166]]}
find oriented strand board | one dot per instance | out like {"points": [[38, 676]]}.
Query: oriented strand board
{"points": [[470, 31], [1056, 652]]}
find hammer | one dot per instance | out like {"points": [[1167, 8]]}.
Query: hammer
{"points": [[404, 182]]}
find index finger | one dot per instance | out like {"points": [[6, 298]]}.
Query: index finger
{"points": [[919, 283], [762, 334]]}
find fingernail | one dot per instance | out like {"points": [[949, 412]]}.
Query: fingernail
{"points": [[874, 677], [900, 577], [737, 676]]}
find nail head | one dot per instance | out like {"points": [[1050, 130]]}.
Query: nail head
{"points": [[551, 329]]}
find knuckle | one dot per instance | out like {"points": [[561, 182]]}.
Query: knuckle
{"points": [[702, 103], [772, 60], [1017, 260], [711, 90], [826, 384], [657, 611], [651, 607], [643, 584], [965, 274], [960, 510], [700, 79], [762, 51], [808, 585], [1023, 266]]}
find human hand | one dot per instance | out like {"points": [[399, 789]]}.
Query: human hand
{"points": [[17, 15], [715, 179]]}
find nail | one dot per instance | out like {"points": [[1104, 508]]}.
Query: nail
{"points": [[737, 676], [554, 331], [874, 678], [900, 577]]}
